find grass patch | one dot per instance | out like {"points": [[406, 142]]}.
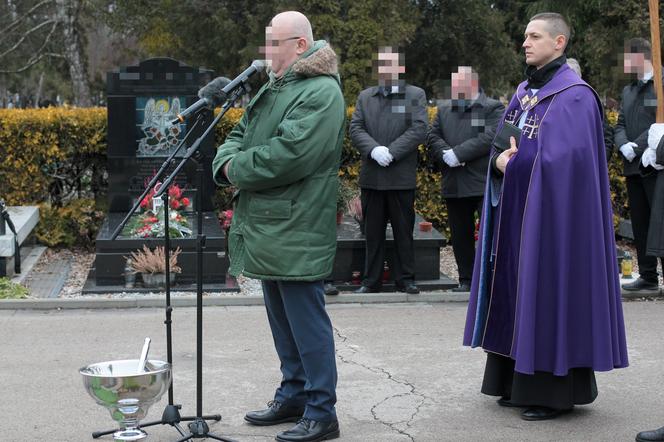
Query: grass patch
{"points": [[11, 290]]}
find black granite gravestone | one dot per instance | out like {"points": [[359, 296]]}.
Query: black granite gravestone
{"points": [[142, 102], [351, 252]]}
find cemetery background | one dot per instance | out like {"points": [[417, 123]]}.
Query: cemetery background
{"points": [[56, 157]]}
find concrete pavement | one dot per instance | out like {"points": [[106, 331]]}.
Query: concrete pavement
{"points": [[403, 374]]}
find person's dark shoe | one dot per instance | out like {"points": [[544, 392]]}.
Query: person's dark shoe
{"points": [[365, 289], [308, 430], [651, 435], [329, 289], [542, 413], [506, 402], [275, 413], [640, 284], [410, 288], [463, 287]]}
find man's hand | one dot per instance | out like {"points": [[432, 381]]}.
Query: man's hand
{"points": [[382, 155], [506, 156], [649, 158], [627, 150], [450, 158], [655, 134]]}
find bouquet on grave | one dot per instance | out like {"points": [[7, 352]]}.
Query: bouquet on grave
{"points": [[150, 223]]}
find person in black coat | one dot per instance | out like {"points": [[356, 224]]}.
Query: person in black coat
{"points": [[460, 142], [637, 114], [653, 157], [389, 123]]}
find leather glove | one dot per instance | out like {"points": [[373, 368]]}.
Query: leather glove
{"points": [[649, 158], [627, 150], [655, 134], [450, 158], [382, 155]]}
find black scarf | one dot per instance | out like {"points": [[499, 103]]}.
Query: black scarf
{"points": [[539, 77]]}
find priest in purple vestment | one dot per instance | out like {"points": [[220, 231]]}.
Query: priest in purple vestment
{"points": [[545, 297]]}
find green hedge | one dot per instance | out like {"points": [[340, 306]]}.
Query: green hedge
{"points": [[56, 157]]}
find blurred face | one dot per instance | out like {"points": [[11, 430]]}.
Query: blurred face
{"points": [[465, 83], [282, 48], [540, 46], [389, 66], [634, 63]]}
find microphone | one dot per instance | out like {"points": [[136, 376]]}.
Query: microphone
{"points": [[217, 91], [256, 66], [211, 95]]}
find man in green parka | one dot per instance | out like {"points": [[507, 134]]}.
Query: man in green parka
{"points": [[283, 157]]}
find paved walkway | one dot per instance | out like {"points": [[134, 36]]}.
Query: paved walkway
{"points": [[403, 375]]}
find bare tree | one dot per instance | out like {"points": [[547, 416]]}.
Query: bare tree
{"points": [[68, 16], [47, 29]]}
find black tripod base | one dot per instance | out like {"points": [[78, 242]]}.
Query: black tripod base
{"points": [[199, 430], [170, 416]]}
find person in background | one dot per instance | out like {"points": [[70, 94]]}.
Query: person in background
{"points": [[460, 142]]}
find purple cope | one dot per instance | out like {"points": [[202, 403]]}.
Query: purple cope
{"points": [[545, 289]]}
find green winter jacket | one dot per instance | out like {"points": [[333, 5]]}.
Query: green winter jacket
{"points": [[285, 154]]}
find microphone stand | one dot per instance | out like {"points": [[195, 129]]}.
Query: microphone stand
{"points": [[198, 429], [171, 415]]}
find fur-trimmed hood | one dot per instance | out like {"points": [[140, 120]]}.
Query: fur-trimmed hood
{"points": [[319, 60]]}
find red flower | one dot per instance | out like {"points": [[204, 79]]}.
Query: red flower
{"points": [[228, 214], [145, 204], [175, 192], [185, 202], [175, 204]]}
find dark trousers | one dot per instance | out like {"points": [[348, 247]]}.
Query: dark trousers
{"points": [[304, 341], [640, 192], [461, 217], [397, 206]]}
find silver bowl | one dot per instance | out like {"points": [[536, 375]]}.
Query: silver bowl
{"points": [[126, 393]]}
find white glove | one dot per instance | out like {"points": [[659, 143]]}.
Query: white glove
{"points": [[382, 155], [649, 158], [627, 150], [450, 158], [655, 134]]}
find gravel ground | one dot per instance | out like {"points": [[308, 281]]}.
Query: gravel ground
{"points": [[81, 261]]}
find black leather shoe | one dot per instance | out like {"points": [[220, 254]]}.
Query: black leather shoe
{"points": [[505, 402], [308, 430], [640, 284], [651, 436], [542, 413], [411, 289], [275, 413], [329, 289], [365, 289], [463, 287]]}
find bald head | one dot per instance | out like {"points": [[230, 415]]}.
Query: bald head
{"points": [[287, 37], [295, 23]]}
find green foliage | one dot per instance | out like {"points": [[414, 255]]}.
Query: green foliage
{"points": [[347, 191], [75, 224], [52, 155], [468, 33], [11, 290]]}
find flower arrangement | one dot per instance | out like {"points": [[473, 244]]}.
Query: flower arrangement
{"points": [[176, 201], [150, 223], [226, 217], [153, 261]]}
